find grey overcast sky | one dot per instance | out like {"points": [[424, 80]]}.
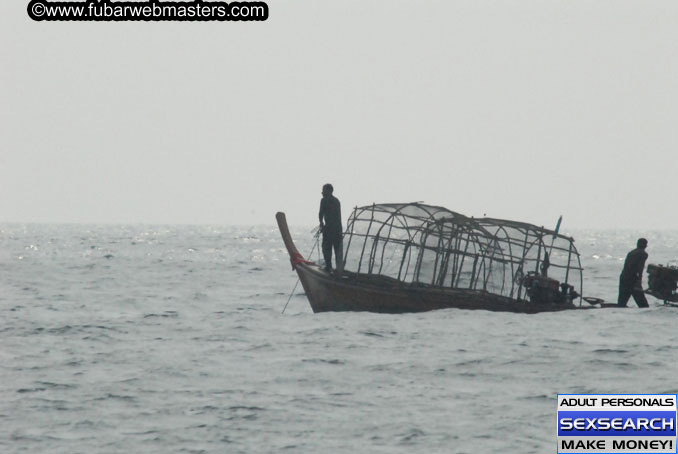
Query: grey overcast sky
{"points": [[515, 109]]}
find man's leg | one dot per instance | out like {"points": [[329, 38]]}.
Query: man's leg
{"points": [[327, 252], [339, 253], [624, 294], [639, 297]]}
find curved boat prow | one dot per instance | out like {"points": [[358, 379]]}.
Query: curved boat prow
{"points": [[295, 257], [285, 233]]}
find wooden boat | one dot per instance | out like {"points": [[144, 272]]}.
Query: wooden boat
{"points": [[414, 257]]}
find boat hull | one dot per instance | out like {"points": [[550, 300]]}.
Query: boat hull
{"points": [[351, 292]]}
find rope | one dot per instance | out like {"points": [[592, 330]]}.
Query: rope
{"points": [[296, 261], [288, 299]]}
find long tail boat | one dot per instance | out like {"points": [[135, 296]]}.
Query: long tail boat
{"points": [[413, 257]]}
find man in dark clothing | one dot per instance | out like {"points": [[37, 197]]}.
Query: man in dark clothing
{"points": [[630, 280], [330, 225]]}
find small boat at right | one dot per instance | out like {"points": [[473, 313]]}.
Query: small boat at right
{"points": [[662, 283]]}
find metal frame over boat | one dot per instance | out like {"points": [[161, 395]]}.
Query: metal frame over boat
{"points": [[413, 257]]}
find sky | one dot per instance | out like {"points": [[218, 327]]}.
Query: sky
{"points": [[525, 110]]}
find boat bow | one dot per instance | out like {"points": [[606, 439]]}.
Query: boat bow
{"points": [[295, 257]]}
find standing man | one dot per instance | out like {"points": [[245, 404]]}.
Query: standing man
{"points": [[630, 280], [330, 213]]}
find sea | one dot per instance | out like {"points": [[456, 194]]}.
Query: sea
{"points": [[172, 339]]}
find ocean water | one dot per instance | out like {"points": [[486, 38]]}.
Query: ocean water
{"points": [[170, 339]]}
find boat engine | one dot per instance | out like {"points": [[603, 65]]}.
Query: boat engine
{"points": [[542, 289], [568, 293], [663, 282]]}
